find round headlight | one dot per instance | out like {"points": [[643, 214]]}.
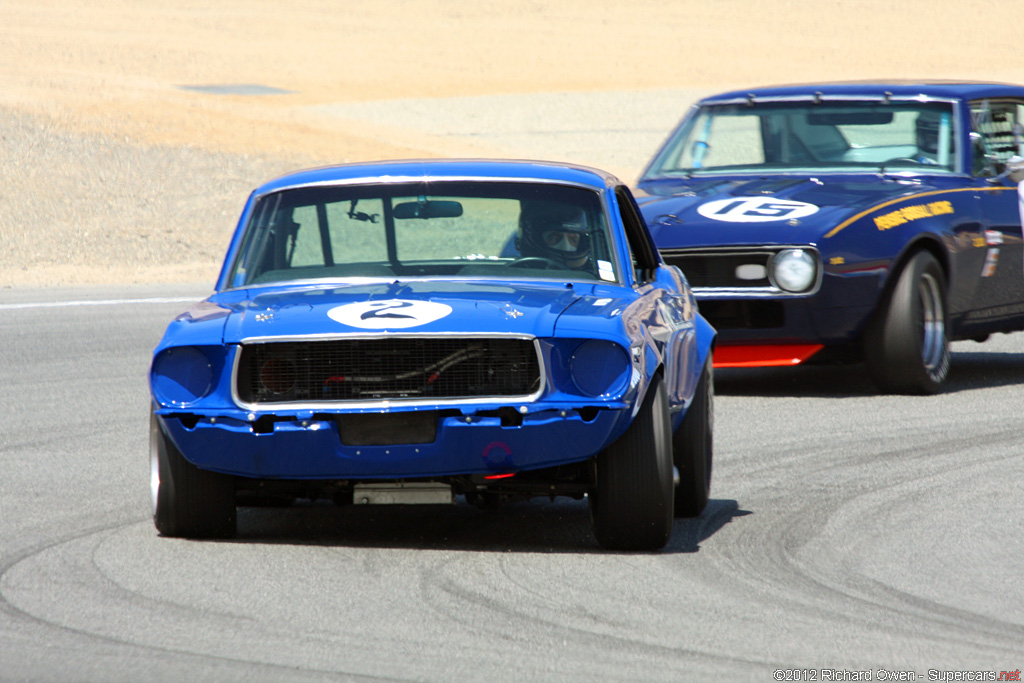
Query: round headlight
{"points": [[181, 376], [794, 270], [278, 375], [599, 368]]}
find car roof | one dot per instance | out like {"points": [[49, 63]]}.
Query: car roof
{"points": [[939, 89], [412, 170]]}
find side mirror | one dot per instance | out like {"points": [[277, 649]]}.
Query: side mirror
{"points": [[980, 161], [1015, 168]]}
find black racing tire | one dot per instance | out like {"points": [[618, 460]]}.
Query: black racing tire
{"points": [[906, 344], [693, 448], [631, 501], [188, 502]]}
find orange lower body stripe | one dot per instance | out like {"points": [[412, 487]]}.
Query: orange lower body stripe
{"points": [[764, 355]]}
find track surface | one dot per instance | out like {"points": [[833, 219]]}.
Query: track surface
{"points": [[847, 531]]}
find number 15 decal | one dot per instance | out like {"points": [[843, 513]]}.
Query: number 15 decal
{"points": [[755, 209]]}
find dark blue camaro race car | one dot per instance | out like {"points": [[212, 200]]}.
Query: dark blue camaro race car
{"points": [[847, 222], [410, 332]]}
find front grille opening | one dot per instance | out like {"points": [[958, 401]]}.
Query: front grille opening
{"points": [[732, 315], [723, 270], [387, 369]]}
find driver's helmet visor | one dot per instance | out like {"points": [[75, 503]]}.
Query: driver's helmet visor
{"points": [[562, 240]]}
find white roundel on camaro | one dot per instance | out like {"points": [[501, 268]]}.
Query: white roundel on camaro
{"points": [[755, 209], [389, 314]]}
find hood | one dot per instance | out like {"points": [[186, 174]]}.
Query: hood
{"points": [[400, 308], [745, 210]]}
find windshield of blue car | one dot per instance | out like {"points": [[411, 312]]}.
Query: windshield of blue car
{"points": [[446, 229], [809, 136]]}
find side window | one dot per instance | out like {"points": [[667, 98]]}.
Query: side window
{"points": [[642, 254], [997, 133]]}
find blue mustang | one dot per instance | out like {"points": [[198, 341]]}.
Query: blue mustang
{"points": [[408, 332], [847, 222]]}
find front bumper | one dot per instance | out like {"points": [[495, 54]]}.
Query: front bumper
{"points": [[758, 323], [310, 446], [771, 332]]}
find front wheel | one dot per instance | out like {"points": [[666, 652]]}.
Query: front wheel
{"points": [[631, 504], [187, 501], [906, 346], [692, 448]]}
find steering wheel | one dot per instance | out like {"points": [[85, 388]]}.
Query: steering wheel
{"points": [[536, 262]]}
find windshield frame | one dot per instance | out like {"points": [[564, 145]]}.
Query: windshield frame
{"points": [[661, 166], [254, 230]]}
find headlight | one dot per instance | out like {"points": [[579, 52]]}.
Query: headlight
{"points": [[181, 376], [599, 368], [794, 270], [278, 375]]}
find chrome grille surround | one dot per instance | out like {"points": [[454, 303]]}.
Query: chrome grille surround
{"points": [[388, 370], [711, 270]]}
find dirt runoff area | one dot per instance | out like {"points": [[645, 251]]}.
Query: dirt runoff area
{"points": [[131, 132]]}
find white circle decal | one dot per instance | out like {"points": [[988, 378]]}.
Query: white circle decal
{"points": [[755, 209], [389, 314]]}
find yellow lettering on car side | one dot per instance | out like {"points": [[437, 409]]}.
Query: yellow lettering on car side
{"points": [[890, 220], [912, 213], [887, 221]]}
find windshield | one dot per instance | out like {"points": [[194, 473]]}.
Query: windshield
{"points": [[495, 230], [829, 136]]}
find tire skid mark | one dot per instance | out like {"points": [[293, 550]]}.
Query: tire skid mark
{"points": [[810, 581], [604, 655], [85, 578]]}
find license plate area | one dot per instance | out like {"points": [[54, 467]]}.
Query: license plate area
{"points": [[402, 493], [388, 429]]}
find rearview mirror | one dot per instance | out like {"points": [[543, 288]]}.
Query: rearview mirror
{"points": [[849, 118], [428, 208]]}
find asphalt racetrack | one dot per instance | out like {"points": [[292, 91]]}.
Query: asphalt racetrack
{"points": [[850, 536], [848, 532]]}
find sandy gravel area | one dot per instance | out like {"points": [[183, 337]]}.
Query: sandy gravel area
{"points": [[131, 131]]}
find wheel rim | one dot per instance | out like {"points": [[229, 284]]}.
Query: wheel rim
{"points": [[154, 473], [663, 438], [711, 424], [933, 319]]}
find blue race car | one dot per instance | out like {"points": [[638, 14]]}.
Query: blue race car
{"points": [[847, 222], [409, 332]]}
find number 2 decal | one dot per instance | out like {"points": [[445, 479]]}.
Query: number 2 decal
{"points": [[755, 209], [389, 313]]}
